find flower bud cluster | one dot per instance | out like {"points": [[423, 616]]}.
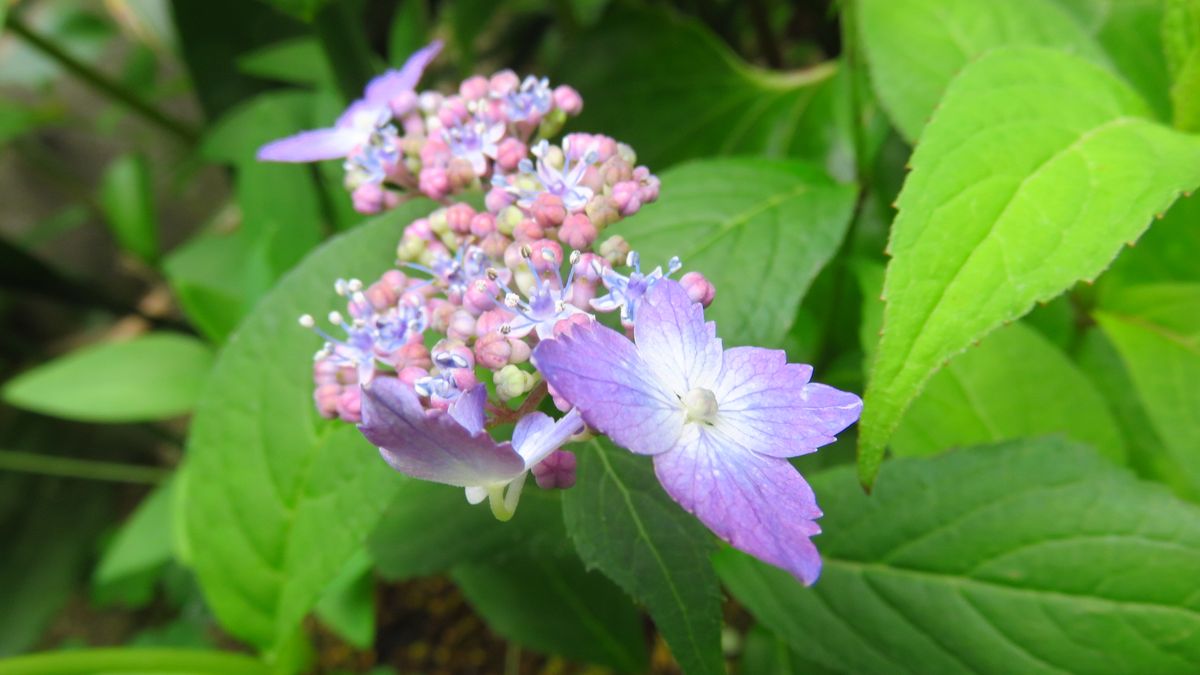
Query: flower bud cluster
{"points": [[478, 288]]}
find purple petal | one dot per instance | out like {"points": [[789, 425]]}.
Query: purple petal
{"points": [[538, 435], [467, 409], [768, 405], [311, 146], [435, 446], [385, 87], [681, 350], [600, 371], [760, 505]]}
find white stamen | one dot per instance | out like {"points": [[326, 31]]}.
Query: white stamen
{"points": [[307, 321]]}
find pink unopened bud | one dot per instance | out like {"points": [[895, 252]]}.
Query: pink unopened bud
{"points": [[520, 351], [545, 255], [565, 325], [509, 154], [650, 188], [568, 100], [616, 170], [559, 402], [370, 198], [483, 224], [577, 231], [548, 210], [602, 210], [464, 378], [461, 173], [434, 182], [453, 111], [411, 355], [493, 351], [411, 374], [480, 296], [582, 292], [403, 103], [324, 371], [504, 82], [326, 399], [698, 288], [497, 199], [419, 228], [627, 197], [435, 152], [556, 472], [459, 217], [381, 295], [440, 312], [473, 88], [592, 179], [461, 325], [528, 230], [349, 405], [491, 320], [590, 267], [494, 245]]}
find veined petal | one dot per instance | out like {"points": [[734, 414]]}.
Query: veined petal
{"points": [[391, 84], [759, 504], [431, 446], [538, 435], [312, 146], [767, 405], [598, 370], [682, 350], [467, 409]]}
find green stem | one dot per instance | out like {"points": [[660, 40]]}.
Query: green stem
{"points": [[52, 465], [101, 82], [852, 58], [121, 660], [341, 35]]}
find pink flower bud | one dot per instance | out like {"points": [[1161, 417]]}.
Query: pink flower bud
{"points": [[509, 154], [548, 210], [592, 179], [394, 279], [565, 325], [494, 245], [411, 374], [520, 351], [615, 170], [459, 217], [627, 197], [326, 399], [577, 231], [492, 351], [650, 189], [419, 228], [435, 152], [528, 230], [381, 295], [504, 82], [602, 210], [556, 472], [434, 182], [559, 402], [483, 224], [480, 296], [473, 88], [403, 103], [349, 405], [698, 288], [347, 376], [582, 292], [461, 325], [545, 255], [568, 100], [440, 312], [464, 378], [590, 267], [491, 320], [453, 111], [411, 355], [497, 199], [370, 198], [461, 173]]}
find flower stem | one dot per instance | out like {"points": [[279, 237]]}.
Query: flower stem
{"points": [[87, 469], [101, 82]]}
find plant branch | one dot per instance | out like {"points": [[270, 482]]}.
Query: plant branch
{"points": [[87, 469]]}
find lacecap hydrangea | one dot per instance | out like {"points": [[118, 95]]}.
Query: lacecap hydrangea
{"points": [[525, 313]]}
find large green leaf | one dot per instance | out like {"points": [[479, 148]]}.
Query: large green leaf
{"points": [[1034, 556], [152, 377], [1181, 42], [667, 86], [404, 546], [1167, 252], [951, 33], [277, 498], [552, 604], [127, 198], [625, 525], [759, 229], [142, 547], [1156, 328], [1037, 169], [1014, 384]]}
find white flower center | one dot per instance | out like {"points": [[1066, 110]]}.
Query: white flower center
{"points": [[700, 405]]}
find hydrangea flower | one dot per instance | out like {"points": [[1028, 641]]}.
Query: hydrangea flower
{"points": [[626, 292], [453, 447], [363, 118], [719, 423]]}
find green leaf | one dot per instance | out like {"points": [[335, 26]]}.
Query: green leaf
{"points": [[404, 546], [1033, 556], [279, 499], [1014, 384], [625, 525], [18, 119], [1037, 169], [348, 606], [127, 198], [765, 653], [553, 605], [135, 660], [1156, 329], [296, 61], [670, 88], [409, 31], [152, 377], [218, 276], [129, 568], [1180, 33], [1168, 251], [759, 229], [951, 34], [305, 10]]}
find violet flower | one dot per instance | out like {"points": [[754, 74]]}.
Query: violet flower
{"points": [[453, 447], [361, 119], [626, 292], [719, 423]]}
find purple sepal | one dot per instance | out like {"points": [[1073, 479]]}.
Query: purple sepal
{"points": [[311, 146]]}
